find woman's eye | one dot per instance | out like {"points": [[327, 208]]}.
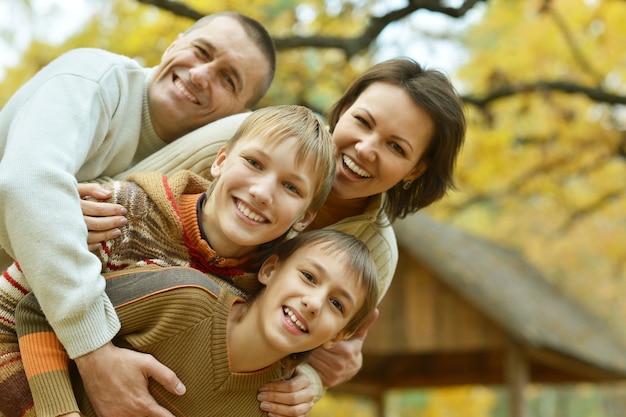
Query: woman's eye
{"points": [[337, 305], [362, 121], [397, 148]]}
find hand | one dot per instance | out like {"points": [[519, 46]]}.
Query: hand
{"points": [[345, 359], [291, 398], [102, 219], [116, 382]]}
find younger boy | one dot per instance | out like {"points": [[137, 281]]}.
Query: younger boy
{"points": [[319, 288], [272, 176]]}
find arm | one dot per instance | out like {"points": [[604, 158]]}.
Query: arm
{"points": [[66, 119], [45, 363]]}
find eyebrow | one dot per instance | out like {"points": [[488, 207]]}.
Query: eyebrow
{"points": [[371, 116], [239, 84]]}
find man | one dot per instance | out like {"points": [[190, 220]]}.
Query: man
{"points": [[91, 113]]}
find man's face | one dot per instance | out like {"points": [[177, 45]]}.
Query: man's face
{"points": [[204, 75]]}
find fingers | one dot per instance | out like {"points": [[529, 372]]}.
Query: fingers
{"points": [[101, 209], [166, 377], [93, 190], [292, 398], [116, 382]]}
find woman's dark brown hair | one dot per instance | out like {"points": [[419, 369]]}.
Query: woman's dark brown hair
{"points": [[433, 92]]}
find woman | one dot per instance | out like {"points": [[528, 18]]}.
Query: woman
{"points": [[398, 130]]}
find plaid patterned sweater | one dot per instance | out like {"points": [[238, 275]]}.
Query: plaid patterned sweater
{"points": [[162, 229], [179, 316]]}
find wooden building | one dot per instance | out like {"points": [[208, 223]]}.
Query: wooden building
{"points": [[462, 310]]}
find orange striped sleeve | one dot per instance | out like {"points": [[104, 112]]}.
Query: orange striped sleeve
{"points": [[42, 352]]}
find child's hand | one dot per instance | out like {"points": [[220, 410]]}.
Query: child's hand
{"points": [[102, 219], [73, 414], [291, 398]]}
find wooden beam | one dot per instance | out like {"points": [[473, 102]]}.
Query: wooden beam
{"points": [[517, 376]]}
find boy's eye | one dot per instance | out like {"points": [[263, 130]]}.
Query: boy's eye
{"points": [[307, 276], [253, 162], [337, 304], [292, 188]]}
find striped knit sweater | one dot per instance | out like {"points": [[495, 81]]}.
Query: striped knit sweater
{"points": [[180, 317], [162, 229]]}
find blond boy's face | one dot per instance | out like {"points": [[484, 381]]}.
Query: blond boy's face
{"points": [[261, 192], [308, 300]]}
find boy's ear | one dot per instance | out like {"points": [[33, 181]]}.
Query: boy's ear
{"points": [[304, 221], [216, 167], [336, 339], [268, 267]]}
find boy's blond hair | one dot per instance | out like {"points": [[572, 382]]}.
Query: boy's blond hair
{"points": [[277, 123]]}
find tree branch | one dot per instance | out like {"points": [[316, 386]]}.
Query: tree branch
{"points": [[594, 93], [354, 45], [175, 7]]}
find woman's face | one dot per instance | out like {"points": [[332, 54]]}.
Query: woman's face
{"points": [[380, 140]]}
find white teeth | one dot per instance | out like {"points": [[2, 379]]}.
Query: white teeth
{"points": [[246, 212], [183, 90], [355, 168], [294, 319]]}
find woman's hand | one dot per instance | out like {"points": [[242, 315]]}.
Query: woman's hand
{"points": [[344, 360], [291, 398], [103, 220]]}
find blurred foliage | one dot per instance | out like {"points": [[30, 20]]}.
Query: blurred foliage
{"points": [[542, 171]]}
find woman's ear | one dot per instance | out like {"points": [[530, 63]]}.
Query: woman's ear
{"points": [[267, 269], [336, 339], [216, 167], [304, 221], [417, 171]]}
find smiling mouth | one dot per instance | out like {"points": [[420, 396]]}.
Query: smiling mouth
{"points": [[351, 166], [292, 317], [179, 85], [249, 213]]}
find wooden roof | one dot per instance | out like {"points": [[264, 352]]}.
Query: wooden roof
{"points": [[459, 304]]}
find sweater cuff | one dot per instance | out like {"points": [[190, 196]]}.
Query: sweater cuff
{"points": [[316, 381], [97, 327]]}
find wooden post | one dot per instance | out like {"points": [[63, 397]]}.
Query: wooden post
{"points": [[517, 375]]}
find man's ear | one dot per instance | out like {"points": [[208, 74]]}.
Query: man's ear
{"points": [[336, 339], [216, 167], [267, 269], [304, 221]]}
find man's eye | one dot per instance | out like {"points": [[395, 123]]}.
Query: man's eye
{"points": [[230, 81], [200, 50]]}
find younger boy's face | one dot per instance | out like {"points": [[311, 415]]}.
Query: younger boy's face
{"points": [[308, 300], [261, 192]]}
